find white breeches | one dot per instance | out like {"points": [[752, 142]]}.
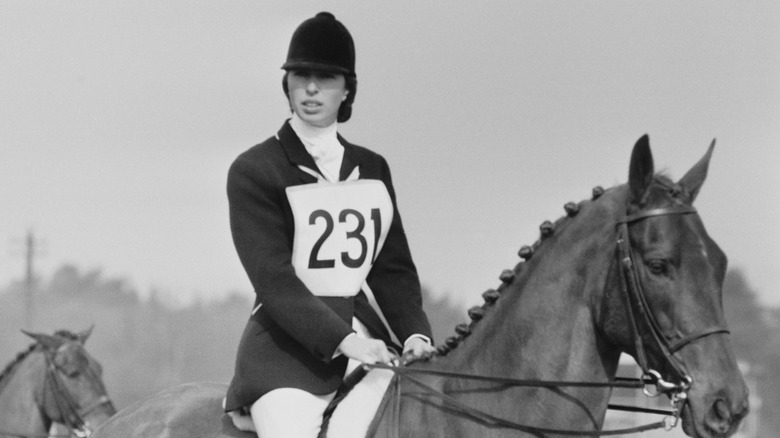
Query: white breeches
{"points": [[295, 413], [289, 413]]}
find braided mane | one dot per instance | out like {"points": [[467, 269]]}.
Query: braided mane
{"points": [[11, 367], [490, 296]]}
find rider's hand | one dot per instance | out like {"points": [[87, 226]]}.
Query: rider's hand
{"points": [[418, 347], [365, 350]]}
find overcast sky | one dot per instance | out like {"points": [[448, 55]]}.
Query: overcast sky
{"points": [[119, 120]]}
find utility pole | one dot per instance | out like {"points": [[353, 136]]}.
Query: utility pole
{"points": [[29, 280], [31, 251]]}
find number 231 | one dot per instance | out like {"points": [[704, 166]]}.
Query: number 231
{"points": [[316, 263]]}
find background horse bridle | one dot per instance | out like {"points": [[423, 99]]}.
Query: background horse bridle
{"points": [[70, 412]]}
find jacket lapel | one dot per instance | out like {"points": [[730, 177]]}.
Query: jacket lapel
{"points": [[350, 161], [297, 154]]}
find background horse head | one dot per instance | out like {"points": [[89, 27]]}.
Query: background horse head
{"points": [[54, 380]]}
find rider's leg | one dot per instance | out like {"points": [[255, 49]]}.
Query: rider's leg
{"points": [[289, 413]]}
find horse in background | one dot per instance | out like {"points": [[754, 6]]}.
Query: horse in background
{"points": [[54, 380], [631, 270]]}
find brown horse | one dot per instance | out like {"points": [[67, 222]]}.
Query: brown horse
{"points": [[54, 380], [631, 270]]}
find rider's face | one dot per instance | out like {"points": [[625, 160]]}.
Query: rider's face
{"points": [[315, 96]]}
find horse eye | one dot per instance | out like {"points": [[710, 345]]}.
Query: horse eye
{"points": [[657, 267], [69, 369]]}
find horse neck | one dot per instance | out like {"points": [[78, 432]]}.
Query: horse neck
{"points": [[544, 325], [21, 395]]}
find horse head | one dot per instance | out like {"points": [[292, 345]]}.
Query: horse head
{"points": [[74, 391], [672, 275]]}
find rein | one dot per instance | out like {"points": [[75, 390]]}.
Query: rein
{"points": [[5, 433], [638, 308], [620, 382]]}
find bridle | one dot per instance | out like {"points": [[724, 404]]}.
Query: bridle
{"points": [[69, 410], [638, 310], [71, 413]]}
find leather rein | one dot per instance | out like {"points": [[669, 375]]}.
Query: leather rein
{"points": [[638, 310]]}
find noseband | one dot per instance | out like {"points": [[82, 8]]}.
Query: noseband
{"points": [[640, 309]]}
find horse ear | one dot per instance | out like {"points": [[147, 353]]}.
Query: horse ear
{"points": [[83, 336], [640, 171], [48, 341], [693, 180]]}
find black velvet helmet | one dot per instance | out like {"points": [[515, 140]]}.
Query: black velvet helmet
{"points": [[322, 43]]}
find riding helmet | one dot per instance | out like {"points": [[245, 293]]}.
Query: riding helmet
{"points": [[322, 43]]}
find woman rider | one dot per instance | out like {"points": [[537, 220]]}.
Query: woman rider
{"points": [[315, 222]]}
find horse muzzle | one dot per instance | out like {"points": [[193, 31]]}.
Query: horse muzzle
{"points": [[719, 418]]}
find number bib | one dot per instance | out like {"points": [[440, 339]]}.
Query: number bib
{"points": [[339, 230]]}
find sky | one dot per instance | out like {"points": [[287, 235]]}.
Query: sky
{"points": [[119, 120]]}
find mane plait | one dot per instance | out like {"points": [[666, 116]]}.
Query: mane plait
{"points": [[508, 276], [8, 370]]}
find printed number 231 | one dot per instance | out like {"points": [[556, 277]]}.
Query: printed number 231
{"points": [[316, 263]]}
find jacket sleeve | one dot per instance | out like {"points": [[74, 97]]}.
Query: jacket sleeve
{"points": [[394, 280], [263, 240]]}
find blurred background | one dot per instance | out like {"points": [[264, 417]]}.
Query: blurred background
{"points": [[119, 120]]}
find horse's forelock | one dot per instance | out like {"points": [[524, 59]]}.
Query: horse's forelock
{"points": [[67, 334]]}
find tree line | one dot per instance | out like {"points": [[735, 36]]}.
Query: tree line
{"points": [[146, 345]]}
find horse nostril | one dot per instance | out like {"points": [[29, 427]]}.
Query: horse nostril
{"points": [[721, 410], [720, 419]]}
